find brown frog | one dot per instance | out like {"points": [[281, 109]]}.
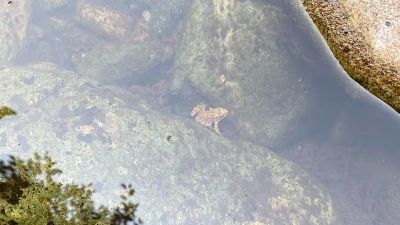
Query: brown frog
{"points": [[209, 117]]}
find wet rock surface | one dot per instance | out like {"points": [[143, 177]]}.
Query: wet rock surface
{"points": [[108, 42], [108, 136], [363, 35]]}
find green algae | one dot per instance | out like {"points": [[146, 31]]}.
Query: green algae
{"points": [[29, 195], [6, 111]]}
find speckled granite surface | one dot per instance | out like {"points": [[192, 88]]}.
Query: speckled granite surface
{"points": [[363, 35]]}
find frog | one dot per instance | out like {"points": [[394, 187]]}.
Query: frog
{"points": [[209, 117]]}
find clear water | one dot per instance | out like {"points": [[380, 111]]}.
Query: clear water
{"points": [[348, 140]]}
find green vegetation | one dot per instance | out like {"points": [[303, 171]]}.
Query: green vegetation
{"points": [[6, 111], [29, 196]]}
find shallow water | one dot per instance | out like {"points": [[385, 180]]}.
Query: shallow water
{"points": [[347, 140]]}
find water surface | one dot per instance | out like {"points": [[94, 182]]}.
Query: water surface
{"points": [[346, 139]]}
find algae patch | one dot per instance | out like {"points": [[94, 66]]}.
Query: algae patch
{"points": [[29, 195], [6, 111]]}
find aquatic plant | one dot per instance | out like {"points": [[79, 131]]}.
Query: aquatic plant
{"points": [[6, 111], [29, 195]]}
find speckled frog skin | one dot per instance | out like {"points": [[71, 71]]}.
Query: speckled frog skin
{"points": [[209, 117]]}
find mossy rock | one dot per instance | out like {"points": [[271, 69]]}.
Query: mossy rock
{"points": [[104, 20], [13, 24], [126, 62], [182, 174], [166, 15], [231, 53]]}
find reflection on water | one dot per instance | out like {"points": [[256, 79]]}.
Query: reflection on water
{"points": [[262, 62]]}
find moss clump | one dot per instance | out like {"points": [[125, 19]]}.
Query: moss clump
{"points": [[29, 195], [6, 111]]}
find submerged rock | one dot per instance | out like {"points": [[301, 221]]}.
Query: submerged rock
{"points": [[59, 40], [182, 174], [126, 62], [165, 15], [133, 53], [13, 24], [105, 20], [364, 35], [231, 52], [54, 5]]}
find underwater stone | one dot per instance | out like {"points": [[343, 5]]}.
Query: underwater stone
{"points": [[13, 24], [199, 176], [127, 62], [231, 53]]}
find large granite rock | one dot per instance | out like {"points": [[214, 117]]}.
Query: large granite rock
{"points": [[232, 54], [363, 35], [107, 136]]}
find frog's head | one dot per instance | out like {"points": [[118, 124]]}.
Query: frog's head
{"points": [[224, 113]]}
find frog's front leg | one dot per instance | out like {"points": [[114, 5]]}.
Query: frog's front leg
{"points": [[216, 127]]}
